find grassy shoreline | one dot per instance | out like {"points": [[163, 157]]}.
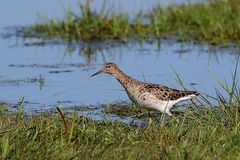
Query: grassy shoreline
{"points": [[215, 22], [202, 134]]}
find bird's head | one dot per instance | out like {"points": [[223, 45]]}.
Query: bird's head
{"points": [[109, 68]]}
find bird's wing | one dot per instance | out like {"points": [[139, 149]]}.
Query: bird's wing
{"points": [[165, 93]]}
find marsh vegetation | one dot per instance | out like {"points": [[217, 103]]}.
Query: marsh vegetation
{"points": [[215, 22]]}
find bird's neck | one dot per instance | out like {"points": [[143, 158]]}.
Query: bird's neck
{"points": [[124, 79]]}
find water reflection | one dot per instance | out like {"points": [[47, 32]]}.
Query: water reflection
{"points": [[66, 69]]}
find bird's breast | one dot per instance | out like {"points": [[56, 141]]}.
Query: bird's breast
{"points": [[144, 99]]}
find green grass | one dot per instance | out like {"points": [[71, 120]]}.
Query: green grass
{"points": [[212, 133], [202, 132], [216, 22]]}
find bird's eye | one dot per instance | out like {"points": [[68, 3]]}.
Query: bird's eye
{"points": [[108, 66]]}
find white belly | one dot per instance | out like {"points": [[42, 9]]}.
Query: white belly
{"points": [[150, 102]]}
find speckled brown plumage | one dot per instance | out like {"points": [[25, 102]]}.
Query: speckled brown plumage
{"points": [[165, 93], [147, 95]]}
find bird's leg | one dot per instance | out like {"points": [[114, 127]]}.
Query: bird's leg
{"points": [[150, 121], [167, 110], [168, 113]]}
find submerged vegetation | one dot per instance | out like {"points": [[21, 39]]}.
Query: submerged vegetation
{"points": [[216, 21], [204, 132]]}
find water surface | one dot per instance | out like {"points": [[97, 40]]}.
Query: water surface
{"points": [[58, 72]]}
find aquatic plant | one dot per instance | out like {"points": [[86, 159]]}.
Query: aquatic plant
{"points": [[216, 22]]}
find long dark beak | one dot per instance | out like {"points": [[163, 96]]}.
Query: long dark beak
{"points": [[97, 73]]}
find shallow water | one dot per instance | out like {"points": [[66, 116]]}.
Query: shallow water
{"points": [[48, 74], [58, 72]]}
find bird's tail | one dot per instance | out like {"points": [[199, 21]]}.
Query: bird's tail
{"points": [[193, 92]]}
